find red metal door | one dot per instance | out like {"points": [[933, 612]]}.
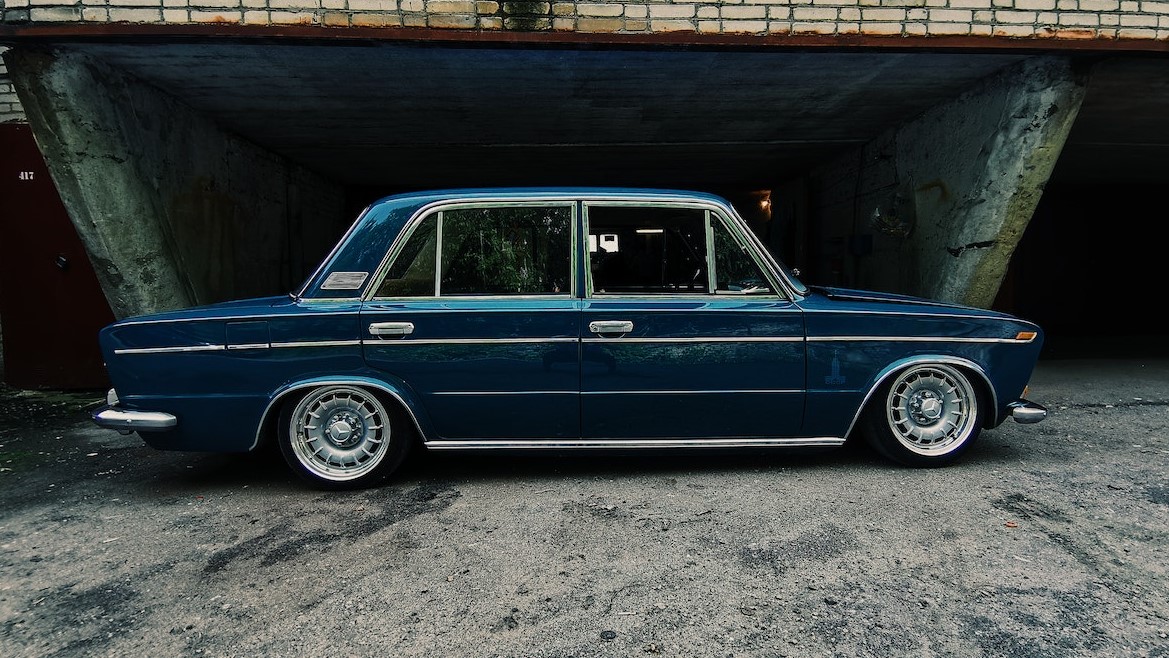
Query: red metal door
{"points": [[51, 306]]}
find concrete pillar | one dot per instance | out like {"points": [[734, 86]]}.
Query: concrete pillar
{"points": [[936, 207], [173, 210]]}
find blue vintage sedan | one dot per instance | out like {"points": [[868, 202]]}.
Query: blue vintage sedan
{"points": [[562, 319]]}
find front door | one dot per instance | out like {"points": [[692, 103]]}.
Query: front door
{"points": [[674, 348], [477, 313]]}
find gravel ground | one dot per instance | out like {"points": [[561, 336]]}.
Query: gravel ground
{"points": [[1045, 540]]}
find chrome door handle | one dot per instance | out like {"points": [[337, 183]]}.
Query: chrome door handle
{"points": [[610, 326], [391, 328]]}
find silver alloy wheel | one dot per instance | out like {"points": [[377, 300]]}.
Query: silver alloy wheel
{"points": [[339, 433], [931, 409]]}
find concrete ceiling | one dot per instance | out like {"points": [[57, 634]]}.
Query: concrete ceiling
{"points": [[415, 115]]}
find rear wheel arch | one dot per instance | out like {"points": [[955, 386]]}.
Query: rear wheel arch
{"points": [[343, 436], [400, 398]]}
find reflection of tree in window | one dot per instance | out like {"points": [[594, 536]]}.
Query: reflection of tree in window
{"points": [[412, 274], [506, 251], [661, 250], [733, 267]]}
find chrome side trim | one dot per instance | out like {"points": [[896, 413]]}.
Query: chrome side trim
{"points": [[467, 341], [236, 318], [318, 343], [573, 392], [168, 350], [929, 314], [242, 346], [700, 339], [653, 392], [914, 339], [560, 444], [702, 392], [133, 421], [567, 339]]}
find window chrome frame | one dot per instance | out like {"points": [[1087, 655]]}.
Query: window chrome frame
{"points": [[734, 224], [711, 276], [785, 290], [440, 207], [437, 253]]}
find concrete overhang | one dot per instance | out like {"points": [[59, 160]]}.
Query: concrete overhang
{"points": [[411, 114], [403, 113]]}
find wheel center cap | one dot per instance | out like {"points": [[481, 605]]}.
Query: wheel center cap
{"points": [[931, 408], [925, 407], [340, 432]]}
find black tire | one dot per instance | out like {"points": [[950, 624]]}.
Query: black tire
{"points": [[357, 440], [927, 415]]}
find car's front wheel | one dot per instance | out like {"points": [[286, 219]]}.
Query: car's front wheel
{"points": [[342, 437], [927, 415]]}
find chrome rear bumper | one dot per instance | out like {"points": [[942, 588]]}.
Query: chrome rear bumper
{"points": [[1027, 412], [133, 421]]}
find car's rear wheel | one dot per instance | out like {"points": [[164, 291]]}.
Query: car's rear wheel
{"points": [[927, 415], [342, 437]]}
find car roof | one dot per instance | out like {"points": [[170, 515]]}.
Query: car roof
{"points": [[538, 192]]}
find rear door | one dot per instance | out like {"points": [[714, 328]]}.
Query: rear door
{"points": [[683, 335], [476, 314]]}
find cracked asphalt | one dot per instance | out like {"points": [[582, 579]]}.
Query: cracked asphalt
{"points": [[1045, 540]]}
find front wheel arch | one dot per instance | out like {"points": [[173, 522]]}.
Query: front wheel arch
{"points": [[927, 413]]}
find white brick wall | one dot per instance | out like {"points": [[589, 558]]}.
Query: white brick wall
{"points": [[1003, 19], [10, 109]]}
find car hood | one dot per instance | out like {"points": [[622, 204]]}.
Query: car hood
{"points": [[854, 295]]}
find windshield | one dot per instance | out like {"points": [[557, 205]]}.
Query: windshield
{"points": [[797, 286]]}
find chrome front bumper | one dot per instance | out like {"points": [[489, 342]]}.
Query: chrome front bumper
{"points": [[1027, 412], [133, 421]]}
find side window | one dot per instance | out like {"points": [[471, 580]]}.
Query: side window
{"points": [[647, 251], [412, 273], [735, 271], [520, 250]]}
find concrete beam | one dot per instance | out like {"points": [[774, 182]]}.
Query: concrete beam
{"points": [[173, 210], [937, 206]]}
